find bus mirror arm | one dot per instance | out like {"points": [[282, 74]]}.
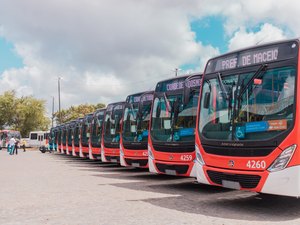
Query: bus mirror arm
{"points": [[206, 100], [186, 95]]}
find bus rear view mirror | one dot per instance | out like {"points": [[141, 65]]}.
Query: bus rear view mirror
{"points": [[158, 111], [257, 81], [206, 100], [112, 116], [186, 95]]}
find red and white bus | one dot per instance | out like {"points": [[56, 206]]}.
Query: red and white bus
{"points": [[96, 133], [171, 144], [64, 138], [85, 135], [248, 128], [6, 135], [59, 138], [135, 125], [110, 149], [77, 137], [70, 136]]}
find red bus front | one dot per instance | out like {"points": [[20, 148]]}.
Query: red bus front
{"points": [[247, 129], [110, 149], [171, 144], [135, 125], [96, 133]]}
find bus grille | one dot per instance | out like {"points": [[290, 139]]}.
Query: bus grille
{"points": [[140, 146], [174, 148], [246, 181], [235, 151], [141, 162], [180, 169]]}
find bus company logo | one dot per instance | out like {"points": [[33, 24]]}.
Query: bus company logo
{"points": [[171, 157], [135, 153], [231, 163]]}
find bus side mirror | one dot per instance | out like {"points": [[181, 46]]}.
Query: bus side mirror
{"points": [[158, 110], [206, 100], [112, 115], [186, 95]]}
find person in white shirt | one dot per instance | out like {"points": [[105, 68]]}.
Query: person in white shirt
{"points": [[12, 143]]}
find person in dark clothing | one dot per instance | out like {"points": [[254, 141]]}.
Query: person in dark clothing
{"points": [[16, 146], [23, 142]]}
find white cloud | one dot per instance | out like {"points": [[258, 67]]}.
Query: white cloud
{"points": [[104, 50], [267, 33]]}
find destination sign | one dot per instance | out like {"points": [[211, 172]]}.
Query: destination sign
{"points": [[114, 107], [147, 97], [253, 56], [137, 98], [178, 84]]}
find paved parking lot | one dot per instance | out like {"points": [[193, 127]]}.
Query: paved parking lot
{"points": [[57, 189]]}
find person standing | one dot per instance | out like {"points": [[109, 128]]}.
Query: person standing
{"points": [[23, 145], [17, 146], [12, 142]]}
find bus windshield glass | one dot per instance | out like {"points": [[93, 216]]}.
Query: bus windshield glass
{"points": [[76, 135], [257, 104], [174, 119], [112, 123], [136, 120], [97, 128], [70, 133]]}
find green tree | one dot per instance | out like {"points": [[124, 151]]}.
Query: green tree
{"points": [[7, 108], [24, 114], [75, 112]]}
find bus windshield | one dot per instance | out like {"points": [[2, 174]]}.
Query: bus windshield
{"points": [[173, 121], [70, 133], [135, 124], [257, 105], [112, 123], [76, 135], [97, 129]]}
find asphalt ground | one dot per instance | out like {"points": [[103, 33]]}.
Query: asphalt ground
{"points": [[56, 189]]}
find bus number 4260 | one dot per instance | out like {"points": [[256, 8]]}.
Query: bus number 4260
{"points": [[256, 164]]}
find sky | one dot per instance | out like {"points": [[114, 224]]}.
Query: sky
{"points": [[104, 50]]}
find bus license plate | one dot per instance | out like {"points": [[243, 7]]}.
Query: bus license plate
{"points": [[114, 160], [135, 164], [98, 157], [231, 184], [170, 172]]}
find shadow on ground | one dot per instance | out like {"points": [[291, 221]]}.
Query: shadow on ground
{"points": [[192, 197]]}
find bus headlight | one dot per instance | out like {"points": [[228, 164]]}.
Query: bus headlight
{"points": [[150, 154], [199, 158], [283, 159]]}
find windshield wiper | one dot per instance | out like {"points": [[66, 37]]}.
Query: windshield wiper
{"points": [[223, 89], [258, 72]]}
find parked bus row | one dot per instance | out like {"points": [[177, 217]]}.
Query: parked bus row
{"points": [[236, 125]]}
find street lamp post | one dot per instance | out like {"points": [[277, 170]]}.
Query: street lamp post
{"points": [[59, 78], [52, 110]]}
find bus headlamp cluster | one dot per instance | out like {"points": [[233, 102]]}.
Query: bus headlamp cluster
{"points": [[199, 156], [150, 154], [283, 159]]}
